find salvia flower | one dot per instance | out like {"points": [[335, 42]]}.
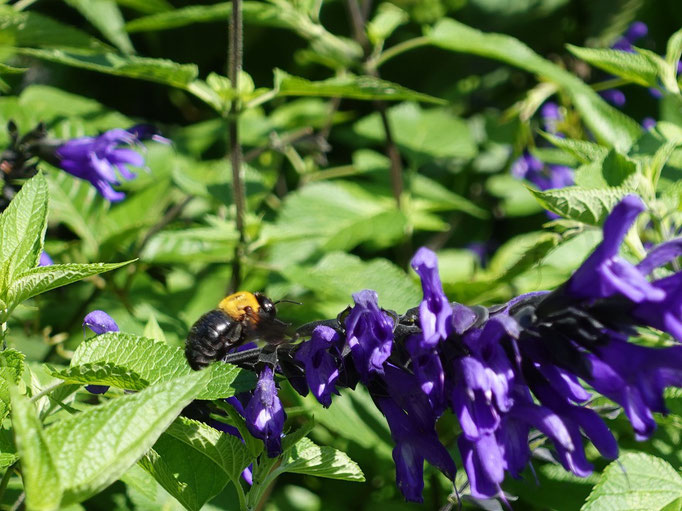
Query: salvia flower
{"points": [[531, 169], [369, 333], [264, 413], [503, 370], [321, 367], [605, 273], [102, 159], [99, 322]]}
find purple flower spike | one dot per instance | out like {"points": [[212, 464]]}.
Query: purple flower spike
{"points": [[264, 414], [636, 30], [604, 273], [435, 312], [649, 122], [321, 367], [484, 465], [99, 322], [45, 259], [526, 165], [369, 332]]}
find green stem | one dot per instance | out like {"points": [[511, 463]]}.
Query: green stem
{"points": [[46, 391], [240, 495], [6, 478], [609, 84], [239, 193], [399, 48], [3, 334]]}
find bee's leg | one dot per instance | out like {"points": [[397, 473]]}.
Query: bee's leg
{"points": [[306, 330], [246, 358]]}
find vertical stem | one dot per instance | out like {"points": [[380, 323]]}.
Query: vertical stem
{"points": [[239, 194], [3, 334]]}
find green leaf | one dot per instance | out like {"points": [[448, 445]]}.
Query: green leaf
{"points": [[307, 458], [34, 30], [11, 370], [442, 199], [154, 70], [38, 466], [95, 447], [107, 18], [422, 135], [157, 362], [608, 124], [147, 6], [586, 152], [387, 18], [22, 228], [102, 373], [589, 206], [338, 275], [349, 86], [5, 69], [635, 482], [44, 278], [199, 244], [152, 330], [633, 67], [521, 253], [193, 462], [672, 58]]}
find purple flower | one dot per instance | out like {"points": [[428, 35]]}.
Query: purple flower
{"points": [[634, 377], [99, 322], [97, 159], [264, 413], [551, 116], [414, 442], [321, 367], [635, 31], [369, 332], [604, 273], [435, 312], [45, 259], [648, 123], [528, 167], [613, 96]]}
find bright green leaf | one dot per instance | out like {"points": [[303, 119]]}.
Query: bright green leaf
{"points": [[633, 67], [635, 482], [107, 18], [307, 458], [39, 467], [95, 447], [157, 362], [102, 373]]}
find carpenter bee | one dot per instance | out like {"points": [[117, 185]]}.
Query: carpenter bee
{"points": [[240, 317]]}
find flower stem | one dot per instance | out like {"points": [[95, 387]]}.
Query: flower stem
{"points": [[6, 478], [399, 48], [239, 194]]}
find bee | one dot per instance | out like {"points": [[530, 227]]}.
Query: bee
{"points": [[240, 317]]}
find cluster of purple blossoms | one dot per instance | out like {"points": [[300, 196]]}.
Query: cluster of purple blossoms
{"points": [[97, 159], [504, 370], [530, 168]]}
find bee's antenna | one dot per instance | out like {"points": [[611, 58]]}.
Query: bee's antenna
{"points": [[286, 301]]}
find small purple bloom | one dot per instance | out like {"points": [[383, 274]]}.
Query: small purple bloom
{"points": [[321, 367], [148, 132], [369, 332], [551, 116], [526, 165], [613, 96], [264, 413], [97, 159], [604, 273], [45, 259], [635, 31], [531, 169], [99, 322], [648, 123], [435, 312]]}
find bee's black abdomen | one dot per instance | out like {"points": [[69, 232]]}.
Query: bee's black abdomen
{"points": [[210, 337]]}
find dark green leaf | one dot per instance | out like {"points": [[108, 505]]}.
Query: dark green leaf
{"points": [[307, 458], [349, 86]]}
